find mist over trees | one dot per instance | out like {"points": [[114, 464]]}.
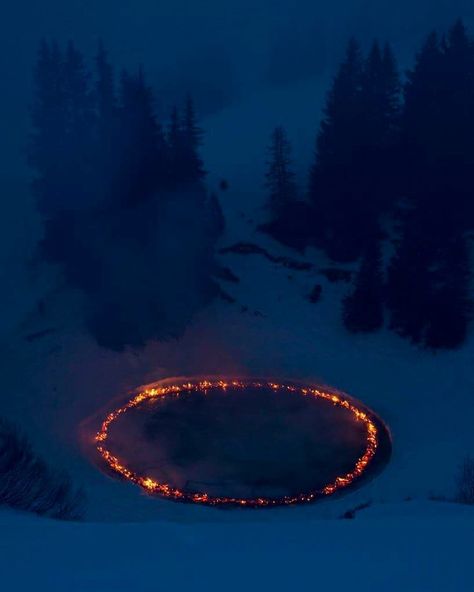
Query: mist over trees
{"points": [[126, 214], [393, 172], [130, 224]]}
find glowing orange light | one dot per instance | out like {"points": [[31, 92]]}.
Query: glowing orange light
{"points": [[152, 486]]}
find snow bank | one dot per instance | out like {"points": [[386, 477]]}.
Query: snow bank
{"points": [[391, 553]]}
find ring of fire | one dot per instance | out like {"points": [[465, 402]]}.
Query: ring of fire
{"points": [[165, 490]]}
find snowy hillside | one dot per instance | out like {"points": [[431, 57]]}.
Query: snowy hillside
{"points": [[58, 379], [424, 552]]}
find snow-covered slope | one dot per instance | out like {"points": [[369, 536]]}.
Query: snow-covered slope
{"points": [[52, 383], [425, 552], [61, 379]]}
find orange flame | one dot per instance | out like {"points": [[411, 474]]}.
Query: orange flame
{"points": [[152, 486]]}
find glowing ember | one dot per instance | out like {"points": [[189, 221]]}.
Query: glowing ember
{"points": [[166, 490]]}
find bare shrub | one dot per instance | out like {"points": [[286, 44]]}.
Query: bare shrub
{"points": [[28, 483], [465, 482]]}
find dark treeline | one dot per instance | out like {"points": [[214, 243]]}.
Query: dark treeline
{"points": [[126, 214], [393, 172]]}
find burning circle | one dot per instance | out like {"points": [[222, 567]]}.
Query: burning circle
{"points": [[373, 430]]}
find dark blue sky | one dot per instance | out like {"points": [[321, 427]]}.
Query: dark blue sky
{"points": [[218, 49]]}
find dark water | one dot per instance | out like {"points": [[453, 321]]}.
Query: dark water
{"points": [[240, 442]]}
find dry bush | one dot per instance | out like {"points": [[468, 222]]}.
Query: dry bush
{"points": [[465, 482], [28, 483]]}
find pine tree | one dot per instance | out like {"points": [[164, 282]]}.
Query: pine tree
{"points": [[338, 217], [392, 94], [107, 150], [143, 158], [409, 274], [48, 139], [458, 85], [78, 171], [421, 115], [63, 131], [174, 139], [290, 219], [456, 162], [340, 129], [105, 89], [352, 181], [449, 304], [363, 308], [380, 95], [62, 154], [376, 160], [192, 165], [408, 278], [428, 283], [429, 268], [184, 137], [280, 178]]}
